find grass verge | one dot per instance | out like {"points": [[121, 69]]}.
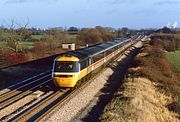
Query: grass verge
{"points": [[174, 59], [150, 92]]}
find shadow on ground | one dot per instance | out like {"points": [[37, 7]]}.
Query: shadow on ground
{"points": [[114, 82], [175, 107]]}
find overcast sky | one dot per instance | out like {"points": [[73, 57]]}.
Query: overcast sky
{"points": [[91, 13]]}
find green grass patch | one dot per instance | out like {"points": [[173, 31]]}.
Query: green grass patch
{"points": [[27, 45], [37, 37], [24, 45], [71, 37], [5, 36], [174, 59]]}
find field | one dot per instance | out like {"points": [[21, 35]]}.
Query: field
{"points": [[25, 45], [174, 58], [37, 37], [72, 38]]}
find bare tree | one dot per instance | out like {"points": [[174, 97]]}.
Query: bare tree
{"points": [[14, 41]]}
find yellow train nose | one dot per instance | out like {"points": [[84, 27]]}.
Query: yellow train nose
{"points": [[65, 82]]}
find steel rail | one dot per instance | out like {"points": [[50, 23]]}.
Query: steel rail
{"points": [[20, 89], [17, 97], [36, 108], [14, 86]]}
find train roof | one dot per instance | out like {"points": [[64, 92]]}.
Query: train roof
{"points": [[93, 50], [104, 46], [84, 53], [79, 53], [113, 43]]}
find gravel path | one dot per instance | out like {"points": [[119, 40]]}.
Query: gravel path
{"points": [[80, 105]]}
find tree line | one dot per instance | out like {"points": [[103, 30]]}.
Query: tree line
{"points": [[23, 44]]}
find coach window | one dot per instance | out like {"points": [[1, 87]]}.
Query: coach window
{"points": [[98, 57], [109, 51]]}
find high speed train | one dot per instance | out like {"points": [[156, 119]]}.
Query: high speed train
{"points": [[71, 67]]}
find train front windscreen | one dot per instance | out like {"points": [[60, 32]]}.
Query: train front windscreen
{"points": [[66, 66]]}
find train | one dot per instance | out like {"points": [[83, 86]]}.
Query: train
{"points": [[73, 66]]}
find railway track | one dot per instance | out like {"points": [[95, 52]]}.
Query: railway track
{"points": [[19, 91], [22, 83], [11, 99], [40, 109], [49, 104]]}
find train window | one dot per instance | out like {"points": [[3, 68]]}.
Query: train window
{"points": [[97, 57], [116, 47], [66, 66], [83, 64], [109, 51]]}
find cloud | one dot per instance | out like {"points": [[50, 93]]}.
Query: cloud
{"points": [[175, 24], [25, 1], [168, 25], [167, 2]]}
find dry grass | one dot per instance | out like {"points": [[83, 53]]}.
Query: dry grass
{"points": [[139, 100], [151, 92], [156, 67]]}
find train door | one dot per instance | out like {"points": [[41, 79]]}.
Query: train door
{"points": [[90, 68]]}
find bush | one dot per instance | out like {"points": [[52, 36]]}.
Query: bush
{"points": [[169, 43], [156, 67], [39, 49], [11, 58], [94, 36]]}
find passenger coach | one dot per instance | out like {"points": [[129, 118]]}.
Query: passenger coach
{"points": [[72, 66]]}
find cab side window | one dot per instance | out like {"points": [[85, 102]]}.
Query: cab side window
{"points": [[83, 64]]}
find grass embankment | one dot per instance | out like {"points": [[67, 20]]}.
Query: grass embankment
{"points": [[174, 59], [149, 93]]}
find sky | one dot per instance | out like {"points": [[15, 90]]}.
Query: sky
{"points": [[135, 14]]}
